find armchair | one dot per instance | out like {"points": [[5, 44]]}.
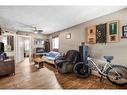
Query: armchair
{"points": [[65, 64]]}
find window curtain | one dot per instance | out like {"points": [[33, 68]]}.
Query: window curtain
{"points": [[55, 41]]}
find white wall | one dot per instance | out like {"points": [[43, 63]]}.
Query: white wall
{"points": [[118, 50]]}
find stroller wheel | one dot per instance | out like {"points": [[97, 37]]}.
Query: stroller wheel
{"points": [[82, 70]]}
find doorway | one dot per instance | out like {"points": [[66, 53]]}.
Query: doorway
{"points": [[23, 48], [26, 47]]}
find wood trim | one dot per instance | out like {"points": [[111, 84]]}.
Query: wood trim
{"points": [[91, 35], [117, 36]]}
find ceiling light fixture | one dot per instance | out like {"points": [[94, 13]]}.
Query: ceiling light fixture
{"points": [[37, 31]]}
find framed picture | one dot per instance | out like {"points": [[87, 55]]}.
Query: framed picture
{"points": [[113, 31], [113, 28], [101, 33], [91, 35], [124, 31], [38, 42], [68, 36]]}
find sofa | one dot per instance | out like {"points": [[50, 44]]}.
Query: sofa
{"points": [[51, 56]]}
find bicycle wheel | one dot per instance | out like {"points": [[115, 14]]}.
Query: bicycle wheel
{"points": [[82, 70], [117, 75]]}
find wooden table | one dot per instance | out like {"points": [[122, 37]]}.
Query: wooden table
{"points": [[39, 61]]}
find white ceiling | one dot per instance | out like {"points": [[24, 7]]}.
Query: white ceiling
{"points": [[50, 18]]}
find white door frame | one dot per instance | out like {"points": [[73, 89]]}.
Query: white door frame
{"points": [[16, 38]]}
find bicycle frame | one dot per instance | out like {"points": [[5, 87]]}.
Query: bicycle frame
{"points": [[99, 70]]}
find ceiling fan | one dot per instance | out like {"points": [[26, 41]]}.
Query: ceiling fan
{"points": [[37, 30], [34, 29]]}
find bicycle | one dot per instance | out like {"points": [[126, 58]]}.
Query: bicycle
{"points": [[116, 74]]}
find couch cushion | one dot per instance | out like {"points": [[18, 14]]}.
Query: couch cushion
{"points": [[53, 54], [51, 58], [47, 60]]}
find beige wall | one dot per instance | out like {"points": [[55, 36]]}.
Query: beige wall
{"points": [[77, 36], [118, 50]]}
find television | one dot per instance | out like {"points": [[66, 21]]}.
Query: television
{"points": [[39, 50]]}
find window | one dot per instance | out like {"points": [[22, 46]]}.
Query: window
{"points": [[55, 43]]}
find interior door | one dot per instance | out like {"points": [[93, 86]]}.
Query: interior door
{"points": [[20, 48]]}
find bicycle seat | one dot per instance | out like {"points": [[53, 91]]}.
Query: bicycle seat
{"points": [[108, 58]]}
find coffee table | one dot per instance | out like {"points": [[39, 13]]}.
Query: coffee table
{"points": [[39, 61]]}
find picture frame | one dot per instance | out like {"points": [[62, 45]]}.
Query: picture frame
{"points": [[113, 31], [124, 31], [38, 42], [113, 28], [91, 34], [68, 36]]}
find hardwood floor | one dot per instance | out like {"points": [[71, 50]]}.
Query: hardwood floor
{"points": [[29, 77]]}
